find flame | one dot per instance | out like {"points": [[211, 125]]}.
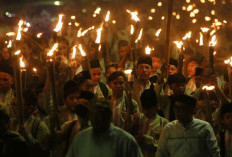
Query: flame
{"points": [[140, 35], [10, 34], [209, 88], [54, 48], [22, 64], [17, 52], [158, 32], [202, 1], [212, 32], [79, 33], [81, 50], [201, 39], [187, 35], [207, 18], [204, 29], [9, 44], [98, 39], [97, 11], [99, 48], [19, 30], [134, 15], [213, 41], [147, 50], [179, 44], [59, 24], [190, 7], [132, 29], [128, 71], [228, 61], [214, 53], [74, 51], [85, 31], [34, 69], [107, 16], [25, 29], [212, 1], [39, 35]]}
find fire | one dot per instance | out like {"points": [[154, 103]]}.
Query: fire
{"points": [[54, 48], [17, 52], [209, 88], [140, 35], [99, 48], [212, 32], [81, 50], [158, 32], [132, 29], [134, 15], [107, 16], [201, 39], [74, 52], [128, 71], [148, 50], [59, 24], [214, 53], [22, 64], [39, 35], [25, 29], [97, 11], [187, 35], [228, 61], [179, 44], [204, 29], [86, 31], [98, 39], [190, 7], [19, 30], [213, 41], [34, 69], [207, 18], [79, 33], [10, 34], [9, 44]]}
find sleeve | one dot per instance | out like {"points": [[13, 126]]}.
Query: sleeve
{"points": [[162, 150], [71, 152], [212, 142], [134, 150]]}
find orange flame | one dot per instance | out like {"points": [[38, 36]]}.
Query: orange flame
{"points": [[39, 35], [140, 35], [79, 33], [147, 50], [228, 61], [86, 31], [179, 44], [54, 48], [99, 48], [22, 64], [158, 32], [59, 24], [17, 52], [19, 30], [128, 71], [132, 29], [9, 44], [74, 52], [204, 29], [98, 39], [201, 39], [208, 88], [10, 34], [34, 69], [133, 15], [107, 16], [81, 50], [187, 35], [213, 41]]}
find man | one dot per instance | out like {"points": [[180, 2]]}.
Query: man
{"points": [[109, 70], [6, 82], [144, 70], [172, 67], [124, 53], [156, 64], [103, 139], [100, 89], [187, 136], [121, 105]]}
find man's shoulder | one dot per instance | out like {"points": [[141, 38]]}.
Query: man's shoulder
{"points": [[121, 133]]}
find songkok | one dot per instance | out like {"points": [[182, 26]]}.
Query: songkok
{"points": [[173, 61], [6, 69], [95, 64], [185, 99], [145, 60], [148, 98]]}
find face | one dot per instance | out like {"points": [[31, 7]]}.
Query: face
{"points": [[144, 71], [110, 71], [87, 86], [96, 75], [5, 54], [172, 69], [178, 88], [156, 62], [192, 68], [71, 101], [118, 85], [227, 120], [125, 50], [6, 82], [183, 112], [151, 112]]}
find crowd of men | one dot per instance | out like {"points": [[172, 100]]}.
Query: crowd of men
{"points": [[105, 112]]}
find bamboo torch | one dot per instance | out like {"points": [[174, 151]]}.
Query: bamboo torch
{"points": [[57, 29], [179, 45], [229, 68], [107, 59], [85, 61]]}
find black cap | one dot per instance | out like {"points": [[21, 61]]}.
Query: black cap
{"points": [[185, 99], [95, 64], [148, 98], [173, 61], [145, 60]]}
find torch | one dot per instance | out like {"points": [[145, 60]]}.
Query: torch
{"points": [[57, 29], [107, 59], [229, 68], [85, 61], [179, 45]]}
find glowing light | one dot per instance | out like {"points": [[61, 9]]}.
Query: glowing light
{"points": [[107, 16], [212, 32], [196, 11], [202, 1], [207, 18], [179, 44], [85, 31], [214, 53], [9, 44], [128, 71], [34, 69], [190, 7], [9, 34], [99, 48], [113, 21], [57, 3], [187, 35], [187, 1], [213, 41], [158, 32], [73, 17], [70, 23], [160, 4], [134, 15], [201, 39], [194, 20], [81, 50], [98, 39], [147, 50], [19, 30], [77, 24], [140, 35], [174, 13], [74, 52], [224, 21], [22, 64], [79, 33], [204, 29], [97, 11], [184, 8], [177, 16], [17, 52], [150, 18], [228, 61], [54, 48], [59, 24], [208, 88], [213, 12], [192, 14], [152, 10], [25, 29], [162, 18]]}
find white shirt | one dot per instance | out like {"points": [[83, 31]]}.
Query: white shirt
{"points": [[195, 140]]}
